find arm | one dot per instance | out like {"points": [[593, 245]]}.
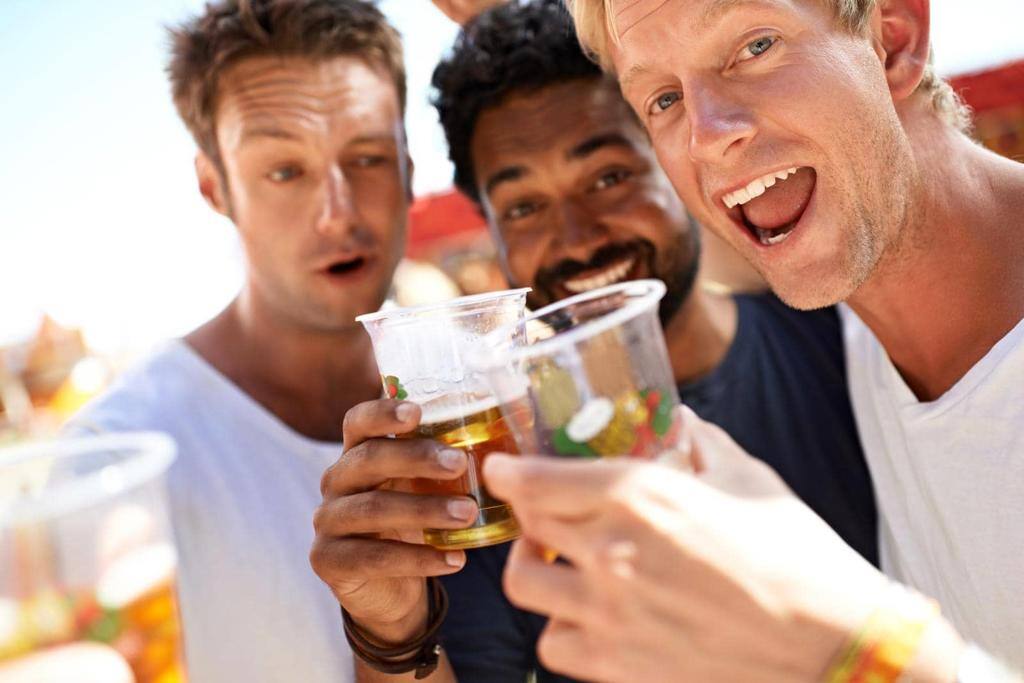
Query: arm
{"points": [[461, 11], [719, 577], [368, 546]]}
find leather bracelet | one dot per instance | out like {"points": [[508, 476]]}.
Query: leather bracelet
{"points": [[420, 654]]}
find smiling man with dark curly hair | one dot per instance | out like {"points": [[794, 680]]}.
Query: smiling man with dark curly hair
{"points": [[568, 182]]}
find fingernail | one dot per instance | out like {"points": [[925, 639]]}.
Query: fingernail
{"points": [[454, 558], [405, 412], [461, 509], [450, 459]]}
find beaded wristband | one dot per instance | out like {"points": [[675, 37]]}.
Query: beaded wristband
{"points": [[887, 643]]}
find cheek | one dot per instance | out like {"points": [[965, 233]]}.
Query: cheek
{"points": [[524, 257]]}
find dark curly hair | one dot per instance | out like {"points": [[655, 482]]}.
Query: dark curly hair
{"points": [[524, 45]]}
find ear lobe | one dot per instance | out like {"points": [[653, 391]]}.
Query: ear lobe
{"points": [[905, 39], [211, 184]]}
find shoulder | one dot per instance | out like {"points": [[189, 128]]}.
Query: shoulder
{"points": [[152, 394]]}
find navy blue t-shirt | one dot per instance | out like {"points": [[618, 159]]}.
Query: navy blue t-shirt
{"points": [[780, 392]]}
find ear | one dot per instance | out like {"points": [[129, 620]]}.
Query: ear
{"points": [[211, 184], [902, 33]]}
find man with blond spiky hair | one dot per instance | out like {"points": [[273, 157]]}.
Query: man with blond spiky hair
{"points": [[816, 139]]}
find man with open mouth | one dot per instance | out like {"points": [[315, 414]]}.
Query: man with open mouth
{"points": [[575, 200], [815, 137], [297, 111]]}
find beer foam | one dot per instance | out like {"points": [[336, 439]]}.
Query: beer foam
{"points": [[455, 407], [135, 574]]}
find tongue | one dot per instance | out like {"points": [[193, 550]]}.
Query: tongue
{"points": [[782, 203]]}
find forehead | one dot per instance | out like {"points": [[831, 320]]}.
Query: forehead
{"points": [[527, 126], [645, 28], [304, 96]]}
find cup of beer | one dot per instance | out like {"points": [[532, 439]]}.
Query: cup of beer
{"points": [[87, 561], [595, 373], [423, 356]]}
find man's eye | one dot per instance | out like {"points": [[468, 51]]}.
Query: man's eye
{"points": [[284, 174], [370, 160], [665, 101], [612, 179], [756, 48], [520, 210]]}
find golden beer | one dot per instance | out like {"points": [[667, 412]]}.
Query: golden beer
{"points": [[477, 427]]}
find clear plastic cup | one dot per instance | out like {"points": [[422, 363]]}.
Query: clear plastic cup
{"points": [[595, 376], [87, 575], [423, 355]]}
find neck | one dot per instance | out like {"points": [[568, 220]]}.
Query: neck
{"points": [[308, 378], [953, 284], [700, 333]]}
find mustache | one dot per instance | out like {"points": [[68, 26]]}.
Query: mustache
{"points": [[603, 257]]}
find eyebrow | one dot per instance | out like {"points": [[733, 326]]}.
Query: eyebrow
{"points": [[581, 151], [267, 132], [282, 134], [600, 141], [505, 175], [714, 11]]}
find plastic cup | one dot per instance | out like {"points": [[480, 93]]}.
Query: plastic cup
{"points": [[423, 355], [87, 575], [595, 375]]}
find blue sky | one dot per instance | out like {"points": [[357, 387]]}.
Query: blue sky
{"points": [[100, 222]]}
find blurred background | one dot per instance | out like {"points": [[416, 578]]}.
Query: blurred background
{"points": [[106, 246]]}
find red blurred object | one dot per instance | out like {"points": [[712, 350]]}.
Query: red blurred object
{"points": [[994, 88], [446, 218], [997, 97]]}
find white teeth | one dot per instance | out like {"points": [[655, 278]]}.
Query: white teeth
{"points": [[609, 276], [767, 239], [756, 188]]}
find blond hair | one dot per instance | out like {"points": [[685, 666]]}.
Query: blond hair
{"points": [[597, 32]]}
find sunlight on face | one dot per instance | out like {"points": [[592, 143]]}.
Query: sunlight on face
{"points": [[317, 178], [777, 129], [570, 184]]}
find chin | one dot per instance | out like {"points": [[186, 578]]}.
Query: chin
{"points": [[811, 292]]}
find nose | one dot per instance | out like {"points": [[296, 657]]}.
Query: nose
{"points": [[720, 125], [580, 230], [338, 210]]}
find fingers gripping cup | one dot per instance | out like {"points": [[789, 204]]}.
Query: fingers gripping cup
{"points": [[595, 374], [422, 353], [87, 562]]}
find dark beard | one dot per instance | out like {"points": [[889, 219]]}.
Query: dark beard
{"points": [[677, 269]]}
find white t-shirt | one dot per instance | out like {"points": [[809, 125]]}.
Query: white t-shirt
{"points": [[242, 494], [949, 479]]}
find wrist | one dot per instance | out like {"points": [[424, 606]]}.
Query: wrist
{"points": [[420, 653], [938, 656], [400, 630], [904, 637]]}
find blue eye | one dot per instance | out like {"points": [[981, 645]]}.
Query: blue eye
{"points": [[758, 47], [666, 100], [283, 175]]}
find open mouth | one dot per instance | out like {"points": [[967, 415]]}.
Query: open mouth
{"points": [[346, 267], [596, 278], [770, 207]]}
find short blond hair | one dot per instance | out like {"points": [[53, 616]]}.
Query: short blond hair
{"points": [[597, 32]]}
